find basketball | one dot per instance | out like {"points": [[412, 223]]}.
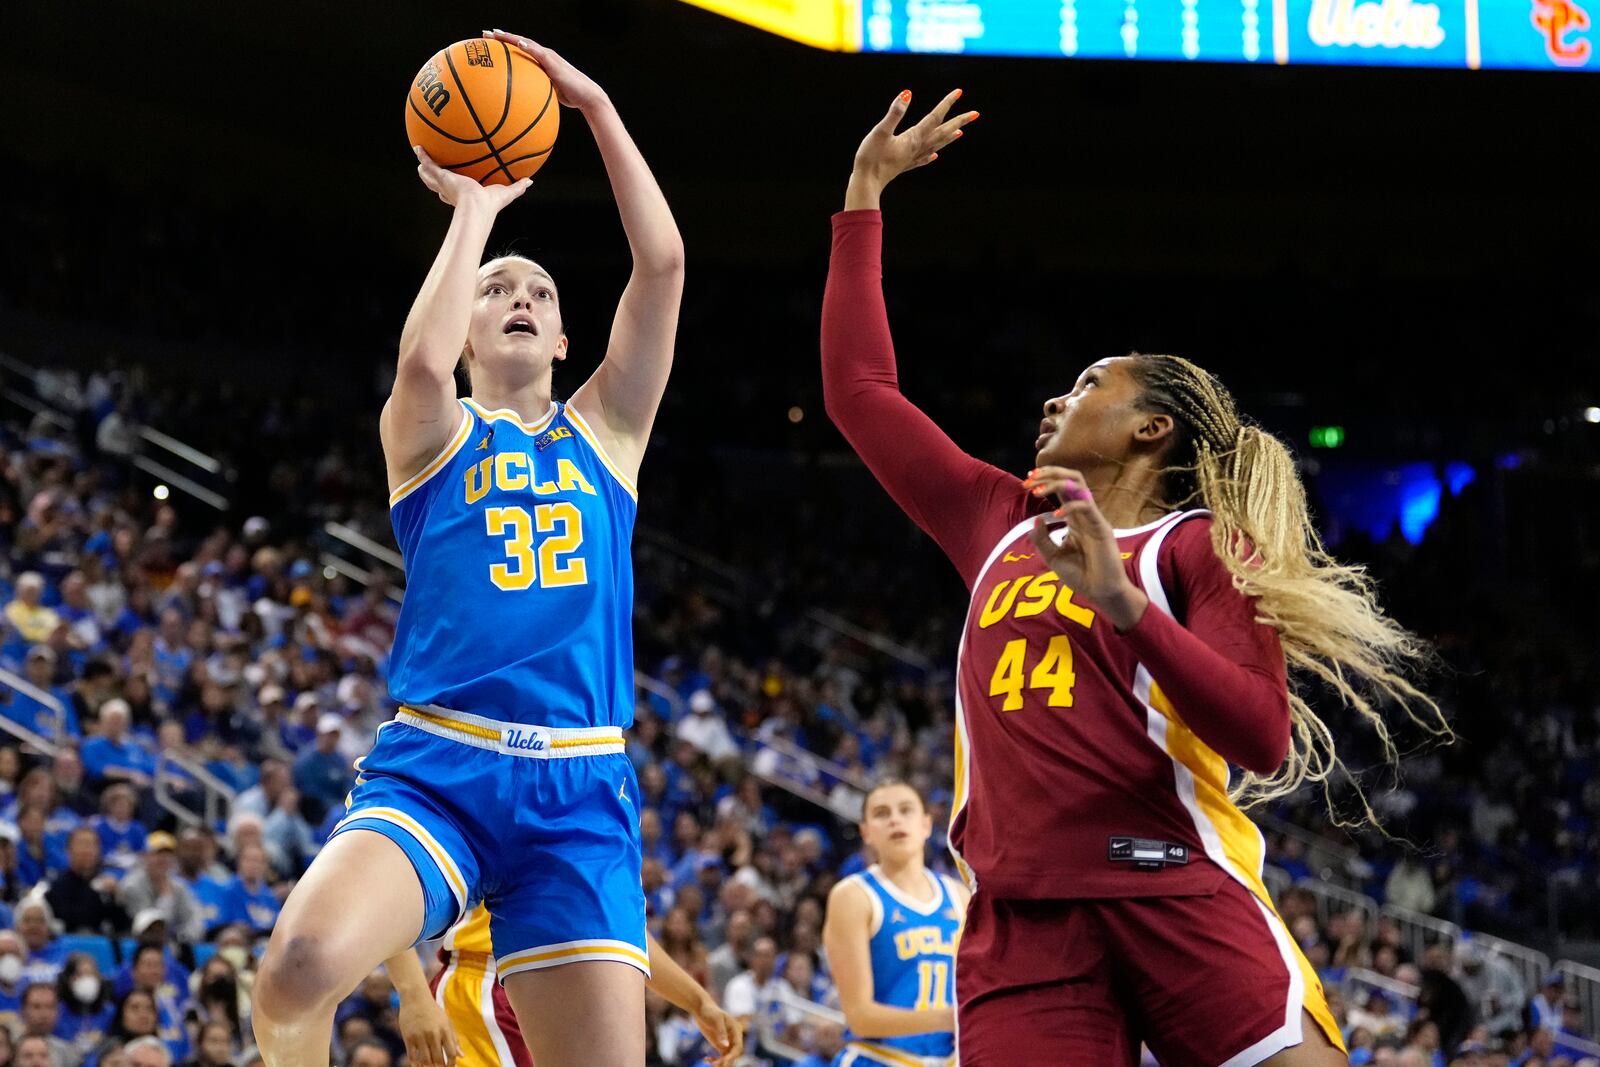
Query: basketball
{"points": [[483, 109]]}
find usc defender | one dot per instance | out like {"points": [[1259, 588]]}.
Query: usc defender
{"points": [[1120, 651]]}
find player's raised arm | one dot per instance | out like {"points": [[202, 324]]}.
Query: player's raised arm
{"points": [[421, 412], [621, 398], [932, 479], [846, 935]]}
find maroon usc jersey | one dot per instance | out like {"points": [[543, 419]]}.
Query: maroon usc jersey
{"points": [[1072, 777], [1090, 763], [1091, 807]]}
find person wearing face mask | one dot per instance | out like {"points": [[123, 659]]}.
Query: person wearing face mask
{"points": [[11, 953], [216, 995], [86, 1007]]}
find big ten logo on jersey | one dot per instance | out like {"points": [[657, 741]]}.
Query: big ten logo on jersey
{"points": [[922, 941], [478, 53], [555, 562]]}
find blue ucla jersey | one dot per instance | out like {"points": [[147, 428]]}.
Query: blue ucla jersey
{"points": [[519, 576], [913, 950]]}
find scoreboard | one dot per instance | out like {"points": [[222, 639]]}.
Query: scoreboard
{"points": [[1466, 34]]}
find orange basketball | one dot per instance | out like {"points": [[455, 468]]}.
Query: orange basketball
{"points": [[484, 109]]}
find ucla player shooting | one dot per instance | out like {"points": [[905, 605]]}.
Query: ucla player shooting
{"points": [[891, 936], [502, 779]]}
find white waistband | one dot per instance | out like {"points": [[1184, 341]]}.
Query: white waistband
{"points": [[894, 1057], [513, 738]]}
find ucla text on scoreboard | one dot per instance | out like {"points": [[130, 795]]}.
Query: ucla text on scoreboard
{"points": [[1518, 34]]}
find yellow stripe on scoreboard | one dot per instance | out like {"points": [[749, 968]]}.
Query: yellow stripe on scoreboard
{"points": [[832, 24]]}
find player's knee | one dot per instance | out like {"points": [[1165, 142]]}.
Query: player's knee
{"points": [[299, 978]]}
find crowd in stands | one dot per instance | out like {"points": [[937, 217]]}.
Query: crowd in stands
{"points": [[1465, 1004], [182, 645]]}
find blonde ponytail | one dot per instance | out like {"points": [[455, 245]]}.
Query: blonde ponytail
{"points": [[1326, 613]]}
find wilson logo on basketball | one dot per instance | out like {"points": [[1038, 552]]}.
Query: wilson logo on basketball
{"points": [[434, 95], [478, 54]]}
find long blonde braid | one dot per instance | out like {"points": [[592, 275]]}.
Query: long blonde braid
{"points": [[1326, 613]]}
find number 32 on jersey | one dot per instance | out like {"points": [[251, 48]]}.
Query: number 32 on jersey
{"points": [[554, 564], [549, 569]]}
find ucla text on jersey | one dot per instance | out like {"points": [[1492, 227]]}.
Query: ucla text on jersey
{"points": [[913, 952], [519, 581]]}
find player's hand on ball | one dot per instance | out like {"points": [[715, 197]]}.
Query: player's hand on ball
{"points": [[885, 154], [430, 1041], [573, 87], [725, 1033], [454, 188], [1087, 559]]}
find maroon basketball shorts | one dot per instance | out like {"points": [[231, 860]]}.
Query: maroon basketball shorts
{"points": [[1203, 980]]}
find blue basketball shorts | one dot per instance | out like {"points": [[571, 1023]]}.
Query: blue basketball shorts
{"points": [[539, 823]]}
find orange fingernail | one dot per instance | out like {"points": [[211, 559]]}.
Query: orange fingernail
{"points": [[935, 156], [905, 96], [1058, 512], [958, 133], [958, 94]]}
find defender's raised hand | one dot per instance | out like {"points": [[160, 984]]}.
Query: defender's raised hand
{"points": [[884, 154]]}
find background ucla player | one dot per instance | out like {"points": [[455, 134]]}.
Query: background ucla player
{"points": [[891, 936], [503, 778]]}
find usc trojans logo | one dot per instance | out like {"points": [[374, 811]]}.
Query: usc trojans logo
{"points": [[1557, 20]]}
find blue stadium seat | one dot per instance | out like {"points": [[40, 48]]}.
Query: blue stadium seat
{"points": [[94, 945]]}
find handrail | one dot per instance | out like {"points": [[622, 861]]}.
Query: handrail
{"points": [[209, 464], [1584, 981], [1393, 986], [888, 646], [821, 763], [1328, 894], [218, 794], [361, 542], [21, 685], [1532, 964], [163, 796], [793, 1001], [1276, 879], [188, 485], [1415, 927], [1336, 859], [770, 771], [49, 413], [147, 434], [660, 689]]}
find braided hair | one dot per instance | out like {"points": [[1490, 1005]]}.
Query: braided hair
{"points": [[1326, 613]]}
